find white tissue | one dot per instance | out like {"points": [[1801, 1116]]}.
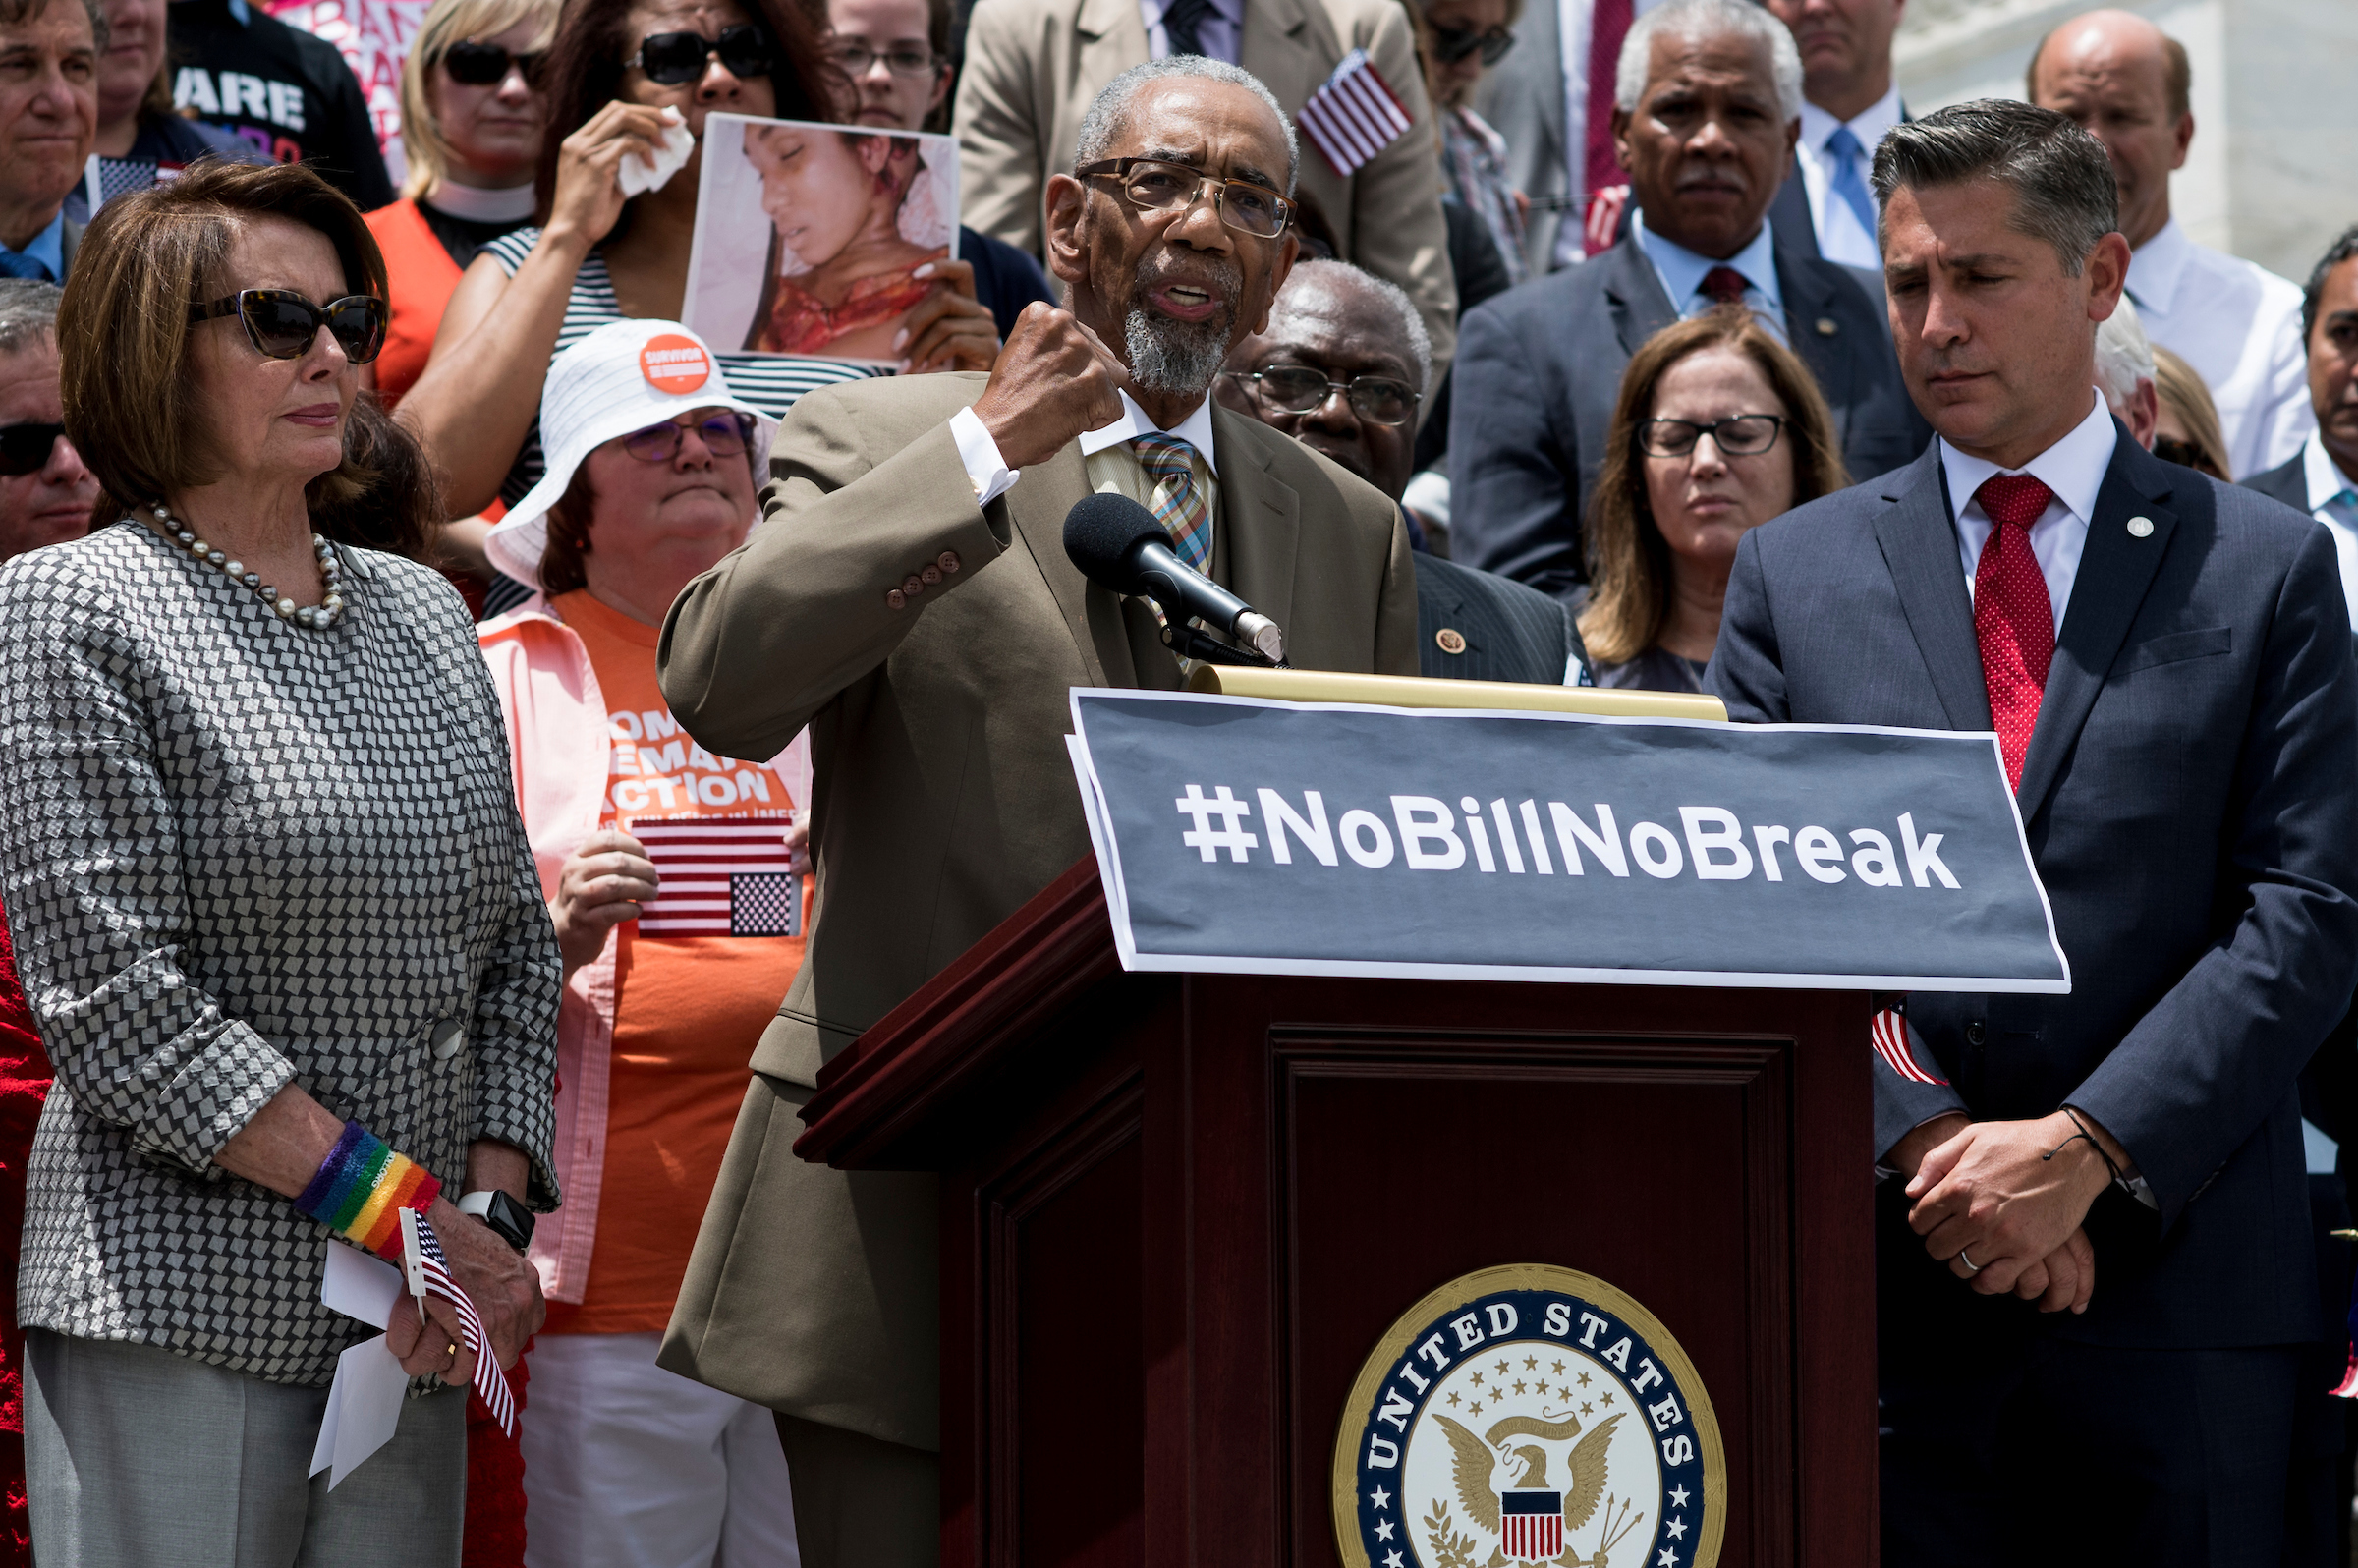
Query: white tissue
{"points": [[364, 1404], [638, 175]]}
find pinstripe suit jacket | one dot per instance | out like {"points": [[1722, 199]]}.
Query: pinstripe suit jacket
{"points": [[1511, 632]]}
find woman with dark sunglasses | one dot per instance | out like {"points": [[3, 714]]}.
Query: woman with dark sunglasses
{"points": [[674, 883], [273, 912], [471, 121], [599, 255]]}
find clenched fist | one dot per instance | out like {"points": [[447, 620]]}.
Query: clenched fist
{"points": [[1054, 381]]}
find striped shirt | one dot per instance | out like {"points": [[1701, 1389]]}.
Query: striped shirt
{"points": [[770, 382]]}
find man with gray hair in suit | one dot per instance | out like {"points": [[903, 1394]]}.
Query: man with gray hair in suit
{"points": [[1707, 105]]}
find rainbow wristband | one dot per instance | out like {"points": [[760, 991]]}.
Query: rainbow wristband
{"points": [[360, 1189]]}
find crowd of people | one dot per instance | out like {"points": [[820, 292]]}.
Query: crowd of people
{"points": [[468, 742]]}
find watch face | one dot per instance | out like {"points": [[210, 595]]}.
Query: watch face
{"points": [[511, 1219]]}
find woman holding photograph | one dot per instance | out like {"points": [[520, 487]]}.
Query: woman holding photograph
{"points": [[621, 73], [850, 255]]}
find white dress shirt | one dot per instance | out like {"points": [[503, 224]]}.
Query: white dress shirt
{"points": [[1216, 34], [1840, 236], [2073, 468], [2239, 325], [2334, 501], [1109, 462], [1572, 34], [1682, 272]]}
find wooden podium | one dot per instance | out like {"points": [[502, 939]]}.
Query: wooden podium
{"points": [[1179, 1210]]}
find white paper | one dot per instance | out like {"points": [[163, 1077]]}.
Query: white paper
{"points": [[364, 1403], [638, 176], [359, 1286]]}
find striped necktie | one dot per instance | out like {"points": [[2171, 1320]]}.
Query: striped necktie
{"points": [[1178, 503]]}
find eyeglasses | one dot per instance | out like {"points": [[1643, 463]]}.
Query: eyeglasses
{"points": [[675, 59], [725, 434], [26, 448], [486, 65], [282, 325], [1452, 44], [1740, 435], [858, 60], [1245, 206], [1299, 389]]}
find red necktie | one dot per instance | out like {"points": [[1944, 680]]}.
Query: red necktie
{"points": [[2013, 619], [1725, 284], [1608, 25]]}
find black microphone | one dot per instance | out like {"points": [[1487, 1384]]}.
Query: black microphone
{"points": [[1117, 544]]}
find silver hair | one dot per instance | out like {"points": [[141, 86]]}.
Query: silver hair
{"points": [[1414, 340], [2124, 356], [1691, 19], [1179, 359], [27, 313], [1105, 116], [2060, 176]]}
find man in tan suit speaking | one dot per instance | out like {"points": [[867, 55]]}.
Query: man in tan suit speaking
{"points": [[1033, 67], [909, 600]]}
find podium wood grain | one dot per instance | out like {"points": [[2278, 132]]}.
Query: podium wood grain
{"points": [[1178, 1211]]}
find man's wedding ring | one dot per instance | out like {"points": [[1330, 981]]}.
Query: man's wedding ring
{"points": [[1971, 1267]]}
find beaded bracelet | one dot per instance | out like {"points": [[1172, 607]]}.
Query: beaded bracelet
{"points": [[360, 1189]]}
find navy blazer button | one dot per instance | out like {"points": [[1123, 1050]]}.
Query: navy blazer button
{"points": [[1973, 1032]]}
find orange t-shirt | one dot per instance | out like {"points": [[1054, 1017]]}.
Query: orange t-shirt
{"points": [[691, 998]]}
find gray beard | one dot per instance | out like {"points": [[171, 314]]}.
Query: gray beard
{"points": [[1177, 358]]}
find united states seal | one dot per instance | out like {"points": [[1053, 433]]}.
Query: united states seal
{"points": [[1529, 1414]]}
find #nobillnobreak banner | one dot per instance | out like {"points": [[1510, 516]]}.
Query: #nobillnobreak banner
{"points": [[1277, 838]]}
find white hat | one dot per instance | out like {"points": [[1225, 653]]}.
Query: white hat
{"points": [[622, 377]]}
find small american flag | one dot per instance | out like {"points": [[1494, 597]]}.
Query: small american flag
{"points": [[1888, 1033], [1531, 1525], [1354, 116], [490, 1383], [720, 876]]}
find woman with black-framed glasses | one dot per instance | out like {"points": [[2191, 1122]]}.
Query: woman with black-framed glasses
{"points": [[598, 256], [274, 910], [674, 962], [1717, 428]]}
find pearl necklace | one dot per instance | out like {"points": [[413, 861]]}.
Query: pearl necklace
{"points": [[317, 618]]}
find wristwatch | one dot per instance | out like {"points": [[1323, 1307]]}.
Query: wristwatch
{"points": [[509, 1220]]}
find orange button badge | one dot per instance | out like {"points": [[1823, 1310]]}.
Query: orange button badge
{"points": [[674, 364]]}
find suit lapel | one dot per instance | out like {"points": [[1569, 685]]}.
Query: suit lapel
{"points": [[1114, 38], [1280, 42], [1264, 519], [2116, 567], [1920, 546], [1635, 292], [1809, 297], [1035, 507]]}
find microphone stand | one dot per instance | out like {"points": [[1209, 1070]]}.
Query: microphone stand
{"points": [[1191, 641]]}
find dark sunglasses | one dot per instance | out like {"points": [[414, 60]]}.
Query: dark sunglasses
{"points": [[26, 448], [725, 434], [675, 59], [1452, 44], [485, 65], [282, 325]]}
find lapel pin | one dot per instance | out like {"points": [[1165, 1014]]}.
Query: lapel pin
{"points": [[1827, 327], [2141, 527], [1450, 639]]}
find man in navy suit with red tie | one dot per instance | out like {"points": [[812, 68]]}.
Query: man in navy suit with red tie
{"points": [[2095, 1272]]}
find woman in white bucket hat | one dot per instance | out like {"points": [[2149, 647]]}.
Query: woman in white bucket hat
{"points": [[677, 903]]}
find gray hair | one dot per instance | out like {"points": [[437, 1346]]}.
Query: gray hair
{"points": [[1416, 342], [2061, 177], [1111, 108], [1693, 19], [2124, 356], [27, 313]]}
